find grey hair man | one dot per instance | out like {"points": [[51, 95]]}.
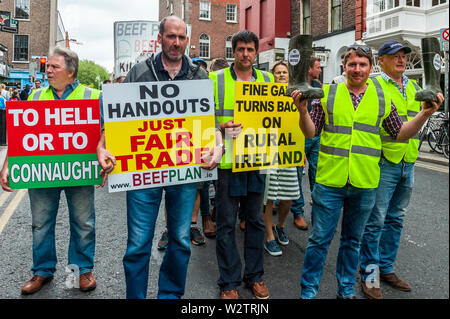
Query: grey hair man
{"points": [[62, 69]]}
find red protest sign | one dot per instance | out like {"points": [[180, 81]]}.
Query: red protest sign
{"points": [[52, 127], [53, 143]]}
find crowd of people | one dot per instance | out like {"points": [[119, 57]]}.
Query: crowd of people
{"points": [[360, 149], [16, 94]]}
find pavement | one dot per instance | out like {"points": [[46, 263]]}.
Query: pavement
{"points": [[425, 155]]}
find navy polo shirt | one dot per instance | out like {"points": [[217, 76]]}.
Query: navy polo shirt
{"points": [[163, 75]]}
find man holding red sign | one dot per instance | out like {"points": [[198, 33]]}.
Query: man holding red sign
{"points": [[35, 158]]}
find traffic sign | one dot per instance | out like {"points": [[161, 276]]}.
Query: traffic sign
{"points": [[444, 39]]}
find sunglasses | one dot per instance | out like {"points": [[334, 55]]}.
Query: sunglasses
{"points": [[366, 49]]}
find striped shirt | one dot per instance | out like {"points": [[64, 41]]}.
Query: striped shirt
{"points": [[392, 124]]}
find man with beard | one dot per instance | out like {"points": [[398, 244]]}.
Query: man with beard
{"points": [[143, 204]]}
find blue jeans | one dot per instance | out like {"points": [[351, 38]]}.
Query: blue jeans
{"points": [[142, 212], [383, 230], [44, 204], [326, 210], [312, 146]]}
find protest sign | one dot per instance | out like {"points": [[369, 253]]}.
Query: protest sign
{"points": [[53, 143], [133, 39], [134, 42], [159, 132], [271, 136]]}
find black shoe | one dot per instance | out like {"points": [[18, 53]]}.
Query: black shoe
{"points": [[197, 237]]}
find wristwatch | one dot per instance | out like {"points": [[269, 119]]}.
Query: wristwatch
{"points": [[223, 147]]}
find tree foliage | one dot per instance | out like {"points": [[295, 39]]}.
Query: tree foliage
{"points": [[90, 73]]}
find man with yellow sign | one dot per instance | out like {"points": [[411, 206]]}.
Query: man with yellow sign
{"points": [[150, 148], [244, 188]]}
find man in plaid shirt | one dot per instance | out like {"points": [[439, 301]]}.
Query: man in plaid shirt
{"points": [[348, 172]]}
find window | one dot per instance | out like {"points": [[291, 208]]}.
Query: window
{"points": [[383, 5], [336, 15], [204, 46], [228, 48], [21, 48], [231, 13], [205, 10], [22, 9], [438, 2], [306, 10], [413, 3]]}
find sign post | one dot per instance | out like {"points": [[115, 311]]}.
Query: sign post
{"points": [[7, 24]]}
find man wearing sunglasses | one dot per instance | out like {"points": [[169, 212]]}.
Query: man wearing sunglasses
{"points": [[349, 118], [381, 237]]}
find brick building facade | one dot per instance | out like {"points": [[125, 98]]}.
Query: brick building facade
{"points": [[38, 33], [270, 20], [211, 22], [334, 24]]}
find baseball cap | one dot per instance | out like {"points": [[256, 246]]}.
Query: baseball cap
{"points": [[198, 60], [391, 47]]}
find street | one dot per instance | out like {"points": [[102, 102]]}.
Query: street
{"points": [[423, 258]]}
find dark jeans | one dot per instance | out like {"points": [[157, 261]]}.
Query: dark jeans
{"points": [[228, 258], [3, 127], [204, 199], [312, 147]]}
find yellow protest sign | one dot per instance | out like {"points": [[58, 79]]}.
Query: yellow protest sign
{"points": [[159, 132], [271, 136]]}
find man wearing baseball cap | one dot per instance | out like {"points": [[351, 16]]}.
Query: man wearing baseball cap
{"points": [[382, 233], [201, 62]]}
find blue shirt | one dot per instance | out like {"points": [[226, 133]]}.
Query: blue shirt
{"points": [[2, 103], [388, 79]]}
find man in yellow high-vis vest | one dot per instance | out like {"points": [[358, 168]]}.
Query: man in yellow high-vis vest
{"points": [[350, 118], [382, 234], [234, 189], [62, 69]]}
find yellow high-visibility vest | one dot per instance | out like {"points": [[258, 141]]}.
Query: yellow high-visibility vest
{"points": [[80, 93], [395, 151], [224, 100], [350, 143]]}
